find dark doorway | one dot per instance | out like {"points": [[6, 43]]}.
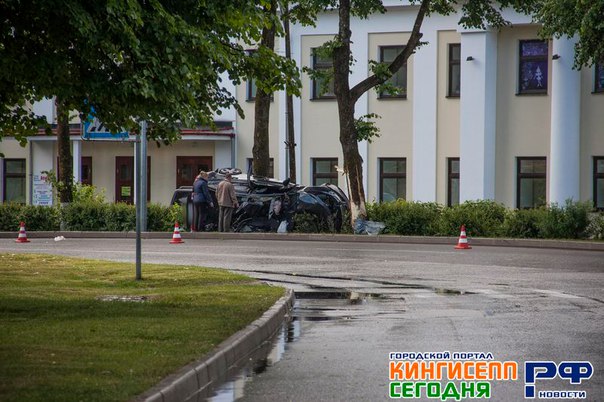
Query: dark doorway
{"points": [[188, 167], [124, 179]]}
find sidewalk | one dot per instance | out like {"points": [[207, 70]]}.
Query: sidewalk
{"points": [[383, 239]]}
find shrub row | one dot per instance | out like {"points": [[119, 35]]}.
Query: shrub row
{"points": [[481, 218], [489, 219], [89, 215]]}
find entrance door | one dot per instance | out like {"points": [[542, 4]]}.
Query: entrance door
{"points": [[124, 179], [188, 167]]}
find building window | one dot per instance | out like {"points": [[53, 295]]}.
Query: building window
{"points": [[320, 88], [398, 79], [251, 89], [324, 171], [530, 182], [599, 182], [532, 67], [599, 77], [14, 181], [271, 166], [454, 89], [452, 181], [86, 170], [393, 179]]}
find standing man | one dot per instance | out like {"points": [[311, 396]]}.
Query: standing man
{"points": [[227, 202], [201, 201]]}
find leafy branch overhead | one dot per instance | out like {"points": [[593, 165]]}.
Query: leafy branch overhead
{"points": [[160, 61]]}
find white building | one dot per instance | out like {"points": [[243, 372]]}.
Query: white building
{"points": [[495, 114]]}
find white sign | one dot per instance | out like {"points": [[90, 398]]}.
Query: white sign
{"points": [[42, 190]]}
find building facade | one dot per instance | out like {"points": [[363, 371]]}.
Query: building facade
{"points": [[480, 114]]}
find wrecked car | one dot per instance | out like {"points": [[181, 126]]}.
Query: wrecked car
{"points": [[268, 205]]}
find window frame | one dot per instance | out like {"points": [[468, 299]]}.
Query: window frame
{"points": [[597, 175], [451, 63], [450, 177], [323, 65], [522, 59], [598, 69], [6, 175], [520, 176], [402, 95], [322, 175], [390, 175]]}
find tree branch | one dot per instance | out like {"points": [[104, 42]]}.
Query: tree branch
{"points": [[359, 89]]}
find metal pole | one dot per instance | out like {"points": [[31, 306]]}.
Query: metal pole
{"points": [[143, 176], [137, 192]]}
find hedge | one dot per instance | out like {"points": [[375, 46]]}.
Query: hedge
{"points": [[89, 215], [481, 218]]}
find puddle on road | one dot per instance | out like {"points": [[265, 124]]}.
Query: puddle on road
{"points": [[322, 304]]}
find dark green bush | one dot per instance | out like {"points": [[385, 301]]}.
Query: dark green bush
{"points": [[40, 218], [568, 222], [120, 217], [88, 215], [524, 223], [595, 229], [482, 219], [9, 217], [309, 223], [406, 218], [162, 218]]}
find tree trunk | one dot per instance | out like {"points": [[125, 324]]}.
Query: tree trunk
{"points": [[289, 105], [65, 177], [353, 164], [260, 151]]}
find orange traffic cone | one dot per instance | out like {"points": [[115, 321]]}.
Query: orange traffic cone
{"points": [[22, 238], [462, 243], [176, 236]]}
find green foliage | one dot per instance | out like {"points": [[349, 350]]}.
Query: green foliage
{"points": [[406, 218], [161, 218], [568, 222], [85, 216], [595, 229], [40, 218], [482, 218], [570, 17], [9, 216], [158, 61], [309, 223], [524, 223], [366, 130], [120, 217], [85, 192]]}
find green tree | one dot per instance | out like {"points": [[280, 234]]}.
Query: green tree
{"points": [[132, 60]]}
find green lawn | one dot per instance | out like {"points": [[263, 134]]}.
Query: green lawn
{"points": [[64, 337]]}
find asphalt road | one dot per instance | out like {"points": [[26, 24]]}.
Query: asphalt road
{"points": [[361, 301]]}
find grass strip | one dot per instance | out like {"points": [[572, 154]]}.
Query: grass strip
{"points": [[85, 330]]}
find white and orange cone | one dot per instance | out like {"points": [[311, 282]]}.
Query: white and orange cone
{"points": [[176, 239], [462, 243], [22, 238]]}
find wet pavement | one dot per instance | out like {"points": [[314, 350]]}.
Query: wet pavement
{"points": [[356, 303]]}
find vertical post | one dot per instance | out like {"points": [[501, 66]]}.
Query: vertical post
{"points": [[143, 176], [138, 201]]}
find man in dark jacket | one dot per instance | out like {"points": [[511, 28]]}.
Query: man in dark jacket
{"points": [[202, 201]]}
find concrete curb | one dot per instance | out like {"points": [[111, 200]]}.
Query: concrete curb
{"points": [[194, 382], [385, 239]]}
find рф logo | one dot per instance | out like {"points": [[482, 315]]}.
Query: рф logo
{"points": [[573, 371]]}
